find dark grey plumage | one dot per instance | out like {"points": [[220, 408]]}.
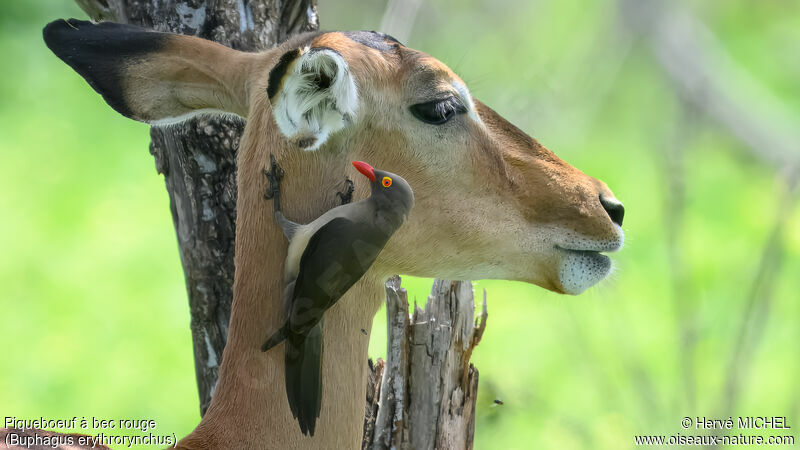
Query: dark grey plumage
{"points": [[326, 257]]}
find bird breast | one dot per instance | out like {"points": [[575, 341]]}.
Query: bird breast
{"points": [[297, 245]]}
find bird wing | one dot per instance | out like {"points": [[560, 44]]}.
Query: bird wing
{"points": [[336, 256]]}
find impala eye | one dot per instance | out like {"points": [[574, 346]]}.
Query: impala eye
{"points": [[386, 181], [438, 112]]}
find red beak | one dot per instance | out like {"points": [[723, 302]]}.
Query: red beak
{"points": [[365, 169]]}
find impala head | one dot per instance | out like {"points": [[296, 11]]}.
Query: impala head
{"points": [[490, 201]]}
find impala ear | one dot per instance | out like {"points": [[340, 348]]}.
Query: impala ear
{"points": [[313, 95], [152, 77]]}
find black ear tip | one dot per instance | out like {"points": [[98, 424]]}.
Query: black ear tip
{"points": [[52, 30], [57, 29]]}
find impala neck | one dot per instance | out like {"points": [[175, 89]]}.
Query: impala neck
{"points": [[249, 408]]}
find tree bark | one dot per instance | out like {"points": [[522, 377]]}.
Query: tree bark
{"points": [[427, 386], [198, 157]]}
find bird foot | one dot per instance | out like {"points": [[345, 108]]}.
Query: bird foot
{"points": [[274, 175], [346, 196]]}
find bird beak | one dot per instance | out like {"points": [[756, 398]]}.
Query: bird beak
{"points": [[365, 169]]}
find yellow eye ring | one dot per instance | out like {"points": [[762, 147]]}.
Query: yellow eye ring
{"points": [[386, 181]]}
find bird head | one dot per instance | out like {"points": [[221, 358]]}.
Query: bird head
{"points": [[388, 187]]}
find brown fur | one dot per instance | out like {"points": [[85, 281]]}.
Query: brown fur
{"points": [[192, 77]]}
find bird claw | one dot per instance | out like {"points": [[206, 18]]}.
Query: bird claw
{"points": [[346, 196], [274, 176]]}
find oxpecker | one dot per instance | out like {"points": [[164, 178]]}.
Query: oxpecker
{"points": [[325, 258]]}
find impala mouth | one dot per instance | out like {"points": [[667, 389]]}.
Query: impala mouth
{"points": [[581, 269]]}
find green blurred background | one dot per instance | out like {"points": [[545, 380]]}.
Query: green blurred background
{"points": [[94, 317]]}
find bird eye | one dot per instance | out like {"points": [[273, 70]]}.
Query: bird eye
{"points": [[438, 112], [386, 181]]}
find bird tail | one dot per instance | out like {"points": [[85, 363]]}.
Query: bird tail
{"points": [[304, 376], [275, 339]]}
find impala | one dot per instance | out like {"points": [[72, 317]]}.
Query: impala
{"points": [[491, 202]]}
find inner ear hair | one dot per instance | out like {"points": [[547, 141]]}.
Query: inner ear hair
{"points": [[322, 70], [313, 94], [322, 80]]}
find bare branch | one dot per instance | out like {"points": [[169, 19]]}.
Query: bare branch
{"points": [[759, 302], [399, 17], [101, 10], [673, 155], [704, 75]]}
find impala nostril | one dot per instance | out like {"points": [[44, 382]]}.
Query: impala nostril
{"points": [[614, 209]]}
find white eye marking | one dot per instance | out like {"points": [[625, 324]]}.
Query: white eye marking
{"points": [[466, 99]]}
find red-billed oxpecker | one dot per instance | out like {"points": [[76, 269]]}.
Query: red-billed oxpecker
{"points": [[325, 258]]}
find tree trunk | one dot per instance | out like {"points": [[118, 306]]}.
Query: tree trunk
{"points": [[424, 396], [198, 157]]}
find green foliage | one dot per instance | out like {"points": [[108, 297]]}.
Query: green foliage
{"points": [[94, 314]]}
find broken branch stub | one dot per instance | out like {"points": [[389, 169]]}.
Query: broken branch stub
{"points": [[428, 387]]}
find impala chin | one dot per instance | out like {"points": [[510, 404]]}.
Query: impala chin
{"points": [[580, 270], [583, 264]]}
